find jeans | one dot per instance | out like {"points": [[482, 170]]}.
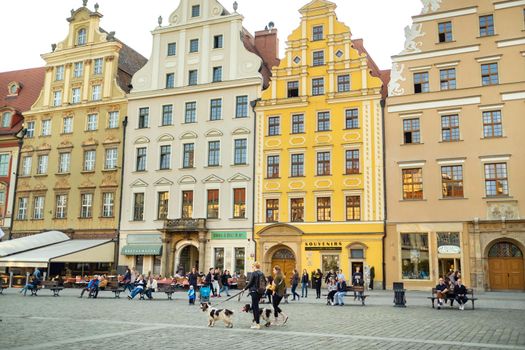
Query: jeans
{"points": [[256, 297], [128, 286], [339, 298], [149, 293], [26, 287], [294, 293], [226, 289], [135, 291], [215, 287], [276, 301], [304, 290]]}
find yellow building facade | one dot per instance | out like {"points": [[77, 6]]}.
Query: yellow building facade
{"points": [[319, 171]]}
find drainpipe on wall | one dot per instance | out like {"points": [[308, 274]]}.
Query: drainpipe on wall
{"points": [[253, 104], [20, 136], [383, 103], [117, 238]]}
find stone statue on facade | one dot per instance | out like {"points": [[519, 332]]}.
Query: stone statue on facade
{"points": [[430, 5], [411, 34], [396, 75]]}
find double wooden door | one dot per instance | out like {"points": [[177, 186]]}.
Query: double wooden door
{"points": [[506, 273]]}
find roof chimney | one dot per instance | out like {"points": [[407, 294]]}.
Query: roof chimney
{"points": [[267, 44]]}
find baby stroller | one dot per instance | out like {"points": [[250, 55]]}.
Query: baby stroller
{"points": [[205, 292]]}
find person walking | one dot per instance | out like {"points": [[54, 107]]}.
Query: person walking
{"points": [[357, 281], [225, 281], [193, 277], [209, 279], [256, 286], [304, 284], [318, 280], [279, 291], [295, 283], [215, 282]]}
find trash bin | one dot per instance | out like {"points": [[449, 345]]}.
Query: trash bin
{"points": [[399, 294]]}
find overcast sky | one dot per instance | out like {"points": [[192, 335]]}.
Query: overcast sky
{"points": [[29, 27]]}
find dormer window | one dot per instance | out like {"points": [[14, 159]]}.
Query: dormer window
{"points": [[13, 88], [195, 11], [6, 120], [81, 37]]}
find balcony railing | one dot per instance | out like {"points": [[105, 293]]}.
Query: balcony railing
{"points": [[185, 225]]}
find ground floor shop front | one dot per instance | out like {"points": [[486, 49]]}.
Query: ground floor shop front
{"points": [[326, 247]]}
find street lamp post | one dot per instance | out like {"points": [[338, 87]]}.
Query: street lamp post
{"points": [[20, 137]]}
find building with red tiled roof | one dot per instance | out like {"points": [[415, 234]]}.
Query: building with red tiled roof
{"points": [[18, 91]]}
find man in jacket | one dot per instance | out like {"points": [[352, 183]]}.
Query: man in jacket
{"points": [[192, 278], [461, 294], [256, 280]]}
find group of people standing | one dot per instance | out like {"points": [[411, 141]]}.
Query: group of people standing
{"points": [[217, 280]]}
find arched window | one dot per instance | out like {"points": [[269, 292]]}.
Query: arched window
{"points": [[6, 120], [82, 37], [13, 89], [284, 254], [505, 250]]}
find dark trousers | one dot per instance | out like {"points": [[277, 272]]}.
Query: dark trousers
{"points": [[276, 301], [85, 290], [256, 297], [149, 292], [294, 293], [93, 293], [331, 295], [461, 299], [269, 294], [318, 290]]}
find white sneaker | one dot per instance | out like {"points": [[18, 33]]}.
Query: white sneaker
{"points": [[256, 326]]}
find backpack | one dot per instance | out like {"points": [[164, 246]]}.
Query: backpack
{"points": [[261, 284]]}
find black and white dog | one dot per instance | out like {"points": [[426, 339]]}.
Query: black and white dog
{"points": [[266, 313], [215, 315]]}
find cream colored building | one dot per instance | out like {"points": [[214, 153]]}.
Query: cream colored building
{"points": [[189, 164], [70, 167], [454, 153]]}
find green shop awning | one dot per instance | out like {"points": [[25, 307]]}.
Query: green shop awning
{"points": [[143, 244]]}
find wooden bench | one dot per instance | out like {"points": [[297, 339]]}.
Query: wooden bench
{"points": [[52, 286], [2, 288], [452, 297], [169, 289], [360, 296], [35, 290], [115, 288]]}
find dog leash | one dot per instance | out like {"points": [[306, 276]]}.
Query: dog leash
{"points": [[233, 296]]}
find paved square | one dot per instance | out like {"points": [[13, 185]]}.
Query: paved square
{"points": [[68, 322]]}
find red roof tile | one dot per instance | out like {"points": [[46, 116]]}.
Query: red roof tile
{"points": [[31, 82]]}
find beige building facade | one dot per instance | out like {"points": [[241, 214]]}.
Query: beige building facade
{"points": [[454, 159]]}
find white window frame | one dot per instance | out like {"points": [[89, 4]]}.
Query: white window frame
{"points": [[57, 98], [108, 204], [38, 207], [113, 119], [98, 66], [92, 122], [4, 166], [22, 209], [86, 205], [89, 162], [46, 127], [43, 161], [78, 69], [110, 158], [75, 95], [96, 92], [67, 127], [61, 206], [64, 162], [27, 163]]}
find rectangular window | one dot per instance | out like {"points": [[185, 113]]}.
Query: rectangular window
{"points": [[187, 204], [138, 207], [6, 120], [274, 126], [323, 163], [496, 181], [86, 209], [4, 164], [239, 203], [240, 255], [297, 210], [452, 181], [59, 73], [97, 66], [46, 127], [317, 86], [218, 41], [411, 131], [195, 11], [194, 45], [272, 210], [92, 122], [216, 109], [212, 211], [75, 95], [162, 205], [447, 79], [297, 123], [42, 164], [190, 113], [343, 83], [489, 74], [140, 163], [445, 32], [412, 184], [214, 153], [193, 77], [172, 49], [293, 89], [108, 204], [143, 117], [240, 150], [486, 25], [241, 107], [64, 161], [78, 69], [353, 208], [317, 33], [318, 58], [170, 80], [61, 206], [218, 258], [113, 120], [89, 160], [26, 166], [421, 82], [352, 118], [38, 208], [415, 256], [165, 157], [30, 130], [111, 159], [297, 165], [352, 162], [323, 121], [188, 156], [492, 126], [450, 128], [167, 115], [217, 74], [67, 125], [324, 209], [57, 98], [272, 167], [22, 208]]}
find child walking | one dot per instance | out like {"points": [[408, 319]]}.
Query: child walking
{"points": [[191, 295]]}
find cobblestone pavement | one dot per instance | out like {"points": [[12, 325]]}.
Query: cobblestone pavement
{"points": [[67, 322]]}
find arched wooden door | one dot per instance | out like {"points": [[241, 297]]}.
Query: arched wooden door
{"points": [[286, 260], [506, 267]]}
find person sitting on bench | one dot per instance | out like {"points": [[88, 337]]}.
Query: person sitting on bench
{"points": [[341, 292], [139, 287], [461, 294], [357, 281], [30, 286], [93, 291], [332, 289], [151, 287], [441, 292], [89, 286]]}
